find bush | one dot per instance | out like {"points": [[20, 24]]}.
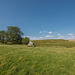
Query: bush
{"points": [[25, 40]]}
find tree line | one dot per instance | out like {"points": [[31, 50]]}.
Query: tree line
{"points": [[13, 35]]}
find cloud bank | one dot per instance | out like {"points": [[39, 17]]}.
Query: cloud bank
{"points": [[51, 35]]}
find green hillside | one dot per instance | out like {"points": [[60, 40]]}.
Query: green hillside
{"points": [[53, 42]]}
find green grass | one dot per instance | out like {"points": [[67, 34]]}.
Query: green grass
{"points": [[23, 60], [53, 42]]}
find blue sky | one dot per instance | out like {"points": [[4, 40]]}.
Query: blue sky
{"points": [[40, 19]]}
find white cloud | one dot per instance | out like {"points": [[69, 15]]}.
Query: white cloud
{"points": [[35, 38], [40, 32], [41, 37], [70, 34], [48, 36], [58, 34], [28, 36], [50, 32], [61, 37], [66, 37]]}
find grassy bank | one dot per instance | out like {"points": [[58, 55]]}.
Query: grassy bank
{"points": [[22, 60], [54, 42]]}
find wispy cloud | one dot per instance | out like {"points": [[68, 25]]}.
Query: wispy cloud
{"points": [[41, 37], [50, 32], [49, 36], [58, 34], [40, 32], [70, 34], [34, 37], [66, 37], [28, 36], [60, 37]]}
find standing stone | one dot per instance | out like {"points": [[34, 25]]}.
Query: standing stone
{"points": [[31, 44]]}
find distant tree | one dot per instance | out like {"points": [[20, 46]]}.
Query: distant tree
{"points": [[14, 35], [25, 40], [2, 36]]}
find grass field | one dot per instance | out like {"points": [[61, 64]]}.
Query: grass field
{"points": [[23, 60]]}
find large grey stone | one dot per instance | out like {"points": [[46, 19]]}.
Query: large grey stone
{"points": [[31, 44]]}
